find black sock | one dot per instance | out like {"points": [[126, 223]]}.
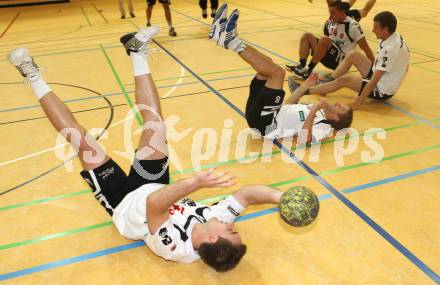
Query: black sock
{"points": [[311, 66], [302, 62]]}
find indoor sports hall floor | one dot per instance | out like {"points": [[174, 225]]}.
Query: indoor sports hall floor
{"points": [[379, 222]]}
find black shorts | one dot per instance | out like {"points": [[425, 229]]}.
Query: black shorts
{"points": [[110, 184], [375, 94], [263, 106], [333, 56], [355, 14], [152, 2]]}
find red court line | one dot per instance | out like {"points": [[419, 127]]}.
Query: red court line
{"points": [[10, 24]]}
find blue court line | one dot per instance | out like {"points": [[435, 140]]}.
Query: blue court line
{"points": [[391, 179], [136, 244], [418, 118], [396, 244], [70, 260]]}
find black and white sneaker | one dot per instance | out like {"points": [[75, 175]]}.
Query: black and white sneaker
{"points": [[302, 72], [24, 63], [219, 23], [230, 32], [138, 42]]}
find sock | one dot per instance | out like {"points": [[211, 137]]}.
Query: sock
{"points": [[302, 62], [40, 87], [139, 63], [237, 45], [311, 66]]}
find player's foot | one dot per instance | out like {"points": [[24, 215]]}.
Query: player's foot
{"points": [[122, 16], [293, 85], [302, 72], [23, 61], [172, 32], [148, 24], [291, 67], [219, 22], [325, 79], [204, 14], [230, 32], [137, 42], [213, 12], [132, 15]]}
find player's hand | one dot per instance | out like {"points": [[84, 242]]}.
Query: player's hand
{"points": [[311, 80], [354, 105], [212, 179], [321, 104]]}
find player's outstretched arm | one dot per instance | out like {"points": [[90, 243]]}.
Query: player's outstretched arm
{"points": [[160, 201], [257, 194]]}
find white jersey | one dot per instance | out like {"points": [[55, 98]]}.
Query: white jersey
{"points": [[392, 57], [345, 34], [172, 240], [291, 118]]}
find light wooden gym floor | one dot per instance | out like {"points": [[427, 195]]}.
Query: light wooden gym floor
{"points": [[379, 222]]}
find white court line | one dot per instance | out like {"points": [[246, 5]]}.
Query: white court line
{"points": [[181, 77], [58, 146]]}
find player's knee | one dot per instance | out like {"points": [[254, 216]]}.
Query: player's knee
{"points": [[277, 71], [325, 41], [307, 37]]}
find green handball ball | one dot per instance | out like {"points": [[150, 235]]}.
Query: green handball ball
{"points": [[299, 206]]}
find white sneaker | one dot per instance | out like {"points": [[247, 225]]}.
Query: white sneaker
{"points": [[137, 42], [219, 22], [230, 32], [23, 61]]}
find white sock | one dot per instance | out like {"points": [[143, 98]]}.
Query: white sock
{"points": [[40, 87], [237, 45], [140, 64]]}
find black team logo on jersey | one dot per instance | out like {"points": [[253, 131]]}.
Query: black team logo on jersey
{"points": [[233, 212], [163, 233]]}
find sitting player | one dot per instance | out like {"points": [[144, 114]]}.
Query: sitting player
{"points": [[265, 111]]}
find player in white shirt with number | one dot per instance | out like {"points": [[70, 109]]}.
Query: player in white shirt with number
{"points": [[341, 35], [380, 79], [143, 205]]}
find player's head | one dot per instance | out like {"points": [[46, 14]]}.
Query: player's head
{"points": [[338, 11], [340, 116], [385, 23], [223, 248]]}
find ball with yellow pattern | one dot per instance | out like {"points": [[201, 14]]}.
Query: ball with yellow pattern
{"points": [[299, 206]]}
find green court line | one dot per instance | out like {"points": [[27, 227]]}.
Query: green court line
{"points": [[216, 164], [302, 178], [45, 200], [189, 170], [85, 15], [52, 236], [121, 86]]}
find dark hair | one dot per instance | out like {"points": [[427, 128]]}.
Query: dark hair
{"points": [[387, 19], [344, 121], [221, 255], [341, 6]]}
